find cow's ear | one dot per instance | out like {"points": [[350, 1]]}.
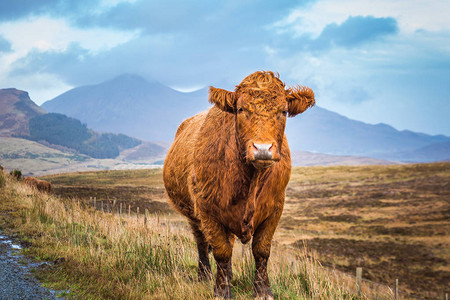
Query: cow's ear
{"points": [[299, 99], [223, 99]]}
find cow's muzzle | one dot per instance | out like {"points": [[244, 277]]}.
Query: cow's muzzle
{"points": [[263, 151], [262, 154]]}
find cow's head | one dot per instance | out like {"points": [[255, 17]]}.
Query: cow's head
{"points": [[261, 103]]}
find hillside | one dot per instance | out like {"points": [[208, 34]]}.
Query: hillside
{"points": [[151, 111], [58, 129], [16, 109], [33, 158]]}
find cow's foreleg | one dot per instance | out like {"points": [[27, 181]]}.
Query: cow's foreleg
{"points": [[204, 267], [261, 244], [222, 246]]}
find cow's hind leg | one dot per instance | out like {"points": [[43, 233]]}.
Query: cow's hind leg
{"points": [[204, 267], [231, 238]]}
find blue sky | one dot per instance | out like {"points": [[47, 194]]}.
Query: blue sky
{"points": [[375, 61]]}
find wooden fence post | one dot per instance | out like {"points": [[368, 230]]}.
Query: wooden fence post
{"points": [[137, 214], [358, 281], [102, 205], [120, 209], [396, 289], [145, 218], [129, 209]]}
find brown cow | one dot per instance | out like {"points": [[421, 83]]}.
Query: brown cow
{"points": [[227, 172], [40, 185]]}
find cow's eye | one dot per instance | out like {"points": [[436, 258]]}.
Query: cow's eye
{"points": [[240, 110], [284, 112]]}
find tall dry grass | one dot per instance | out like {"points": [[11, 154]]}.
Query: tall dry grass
{"points": [[104, 255]]}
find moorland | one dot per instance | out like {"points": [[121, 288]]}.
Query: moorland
{"points": [[391, 220]]}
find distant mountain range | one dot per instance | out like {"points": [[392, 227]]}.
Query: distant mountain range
{"points": [[151, 111], [20, 117], [59, 136]]}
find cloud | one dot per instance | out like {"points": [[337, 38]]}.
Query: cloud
{"points": [[5, 45], [50, 61], [181, 16], [354, 32], [18, 9]]}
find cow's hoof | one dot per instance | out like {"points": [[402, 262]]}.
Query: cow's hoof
{"points": [[263, 293], [223, 292], [266, 297]]}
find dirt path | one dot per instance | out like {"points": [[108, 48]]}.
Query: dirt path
{"points": [[16, 280]]}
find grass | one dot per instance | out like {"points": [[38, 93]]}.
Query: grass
{"points": [[104, 255]]}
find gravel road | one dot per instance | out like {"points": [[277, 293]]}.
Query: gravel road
{"points": [[16, 280]]}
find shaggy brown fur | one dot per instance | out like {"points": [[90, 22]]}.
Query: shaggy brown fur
{"points": [[212, 176], [40, 185]]}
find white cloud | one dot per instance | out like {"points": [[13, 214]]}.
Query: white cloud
{"points": [[49, 34], [46, 33]]}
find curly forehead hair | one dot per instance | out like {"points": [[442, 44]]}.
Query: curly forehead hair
{"points": [[262, 81]]}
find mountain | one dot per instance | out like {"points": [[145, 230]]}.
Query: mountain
{"points": [[130, 105], [434, 152], [151, 111], [16, 109], [324, 131]]}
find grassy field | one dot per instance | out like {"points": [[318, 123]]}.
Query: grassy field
{"points": [[97, 255], [393, 221]]}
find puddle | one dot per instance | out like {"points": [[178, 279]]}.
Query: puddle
{"points": [[16, 280], [6, 240]]}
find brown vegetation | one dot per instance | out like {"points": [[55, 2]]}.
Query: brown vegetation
{"points": [[394, 221]]}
